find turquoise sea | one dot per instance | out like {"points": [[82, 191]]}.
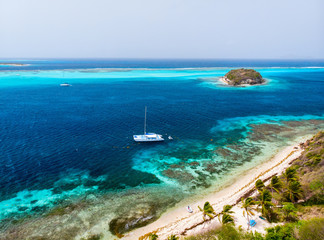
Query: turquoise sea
{"points": [[73, 145]]}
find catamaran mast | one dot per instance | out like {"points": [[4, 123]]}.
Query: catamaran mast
{"points": [[145, 122]]}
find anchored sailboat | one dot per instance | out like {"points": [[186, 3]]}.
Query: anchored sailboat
{"points": [[148, 137]]}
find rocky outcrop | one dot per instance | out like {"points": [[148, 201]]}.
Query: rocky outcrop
{"points": [[242, 76]]}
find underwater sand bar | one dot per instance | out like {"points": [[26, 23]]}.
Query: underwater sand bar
{"points": [[178, 221]]}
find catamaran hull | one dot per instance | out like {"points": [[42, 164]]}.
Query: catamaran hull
{"points": [[155, 140], [148, 138]]}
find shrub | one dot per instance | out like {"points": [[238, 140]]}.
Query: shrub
{"points": [[290, 212], [312, 229], [228, 232], [253, 236], [284, 232], [316, 185]]}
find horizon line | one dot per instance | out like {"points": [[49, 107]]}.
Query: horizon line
{"points": [[131, 58]]}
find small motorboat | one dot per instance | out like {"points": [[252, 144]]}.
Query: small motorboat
{"points": [[65, 85], [189, 209], [170, 138]]}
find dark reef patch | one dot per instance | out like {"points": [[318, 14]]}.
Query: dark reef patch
{"points": [[176, 166], [138, 214], [211, 168], [194, 163], [181, 176], [223, 152], [131, 178], [132, 220]]}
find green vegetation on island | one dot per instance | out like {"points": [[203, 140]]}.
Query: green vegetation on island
{"points": [[243, 76]]}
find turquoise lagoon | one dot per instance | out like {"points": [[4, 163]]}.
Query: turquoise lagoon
{"points": [[74, 145]]}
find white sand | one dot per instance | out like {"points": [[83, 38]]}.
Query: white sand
{"points": [[224, 80], [178, 221]]}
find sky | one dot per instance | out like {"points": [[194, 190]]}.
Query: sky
{"points": [[218, 29]]}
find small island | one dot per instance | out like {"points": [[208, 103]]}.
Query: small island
{"points": [[14, 64], [242, 77]]}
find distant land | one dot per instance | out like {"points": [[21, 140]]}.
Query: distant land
{"points": [[242, 76], [13, 64]]}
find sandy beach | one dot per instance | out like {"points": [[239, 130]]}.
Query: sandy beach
{"points": [[224, 80], [180, 222]]}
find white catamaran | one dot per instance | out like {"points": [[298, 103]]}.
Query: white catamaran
{"points": [[148, 137]]}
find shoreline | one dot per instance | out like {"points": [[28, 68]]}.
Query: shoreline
{"points": [[178, 221], [225, 81]]}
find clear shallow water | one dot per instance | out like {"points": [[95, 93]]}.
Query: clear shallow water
{"points": [[61, 143]]}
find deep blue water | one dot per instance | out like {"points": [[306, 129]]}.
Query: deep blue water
{"points": [[49, 132]]}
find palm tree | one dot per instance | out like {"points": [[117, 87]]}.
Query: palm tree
{"points": [[290, 174], [208, 210], [265, 202], [294, 191], [153, 236], [227, 209], [275, 184], [226, 217], [173, 237], [259, 185], [247, 207], [149, 236]]}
